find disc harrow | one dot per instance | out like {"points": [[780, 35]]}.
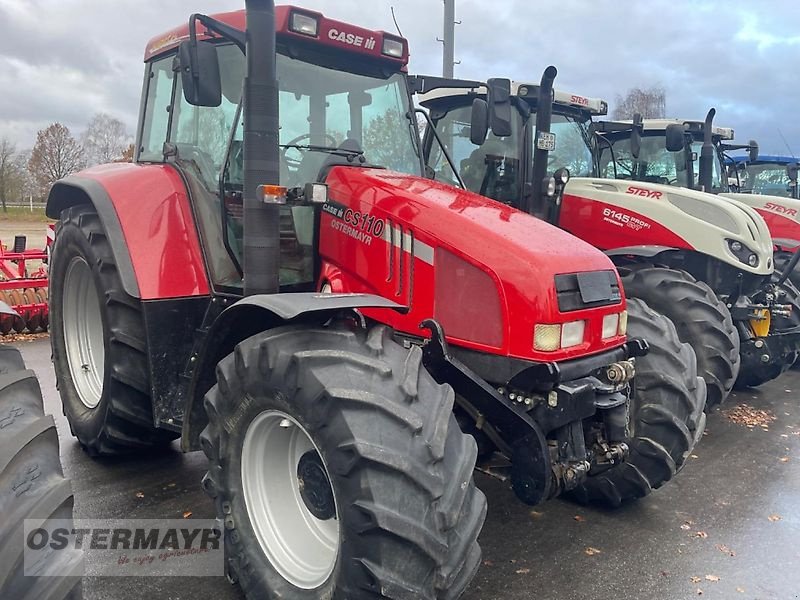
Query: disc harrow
{"points": [[23, 286]]}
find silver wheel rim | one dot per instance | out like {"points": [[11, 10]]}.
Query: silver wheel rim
{"points": [[83, 332], [301, 547]]}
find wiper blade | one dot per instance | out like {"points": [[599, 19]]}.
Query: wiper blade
{"points": [[346, 152]]}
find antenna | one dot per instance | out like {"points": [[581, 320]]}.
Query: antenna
{"points": [[396, 26], [780, 133]]}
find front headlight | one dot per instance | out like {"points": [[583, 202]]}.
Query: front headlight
{"points": [[623, 323], [549, 338], [610, 326], [742, 253]]}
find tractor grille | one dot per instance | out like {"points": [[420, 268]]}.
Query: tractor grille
{"points": [[587, 290]]}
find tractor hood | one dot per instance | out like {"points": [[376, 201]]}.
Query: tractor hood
{"points": [[782, 216], [489, 273], [662, 215]]}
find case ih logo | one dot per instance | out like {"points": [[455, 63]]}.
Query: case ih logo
{"points": [[637, 191], [780, 209], [352, 39]]}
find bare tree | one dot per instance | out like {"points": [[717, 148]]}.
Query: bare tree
{"points": [[105, 139], [55, 155], [650, 102], [127, 154], [8, 170]]}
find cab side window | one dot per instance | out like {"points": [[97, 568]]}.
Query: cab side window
{"points": [[157, 110]]}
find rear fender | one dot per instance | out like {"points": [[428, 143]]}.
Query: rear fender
{"points": [[75, 191], [246, 318]]}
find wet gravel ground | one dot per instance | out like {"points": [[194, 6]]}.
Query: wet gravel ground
{"points": [[727, 527]]}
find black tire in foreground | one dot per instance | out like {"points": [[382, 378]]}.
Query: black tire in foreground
{"points": [[701, 319], [667, 417], [32, 486], [102, 374], [387, 475]]}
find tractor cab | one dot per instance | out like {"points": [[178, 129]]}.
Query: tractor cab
{"points": [[766, 175], [342, 100]]}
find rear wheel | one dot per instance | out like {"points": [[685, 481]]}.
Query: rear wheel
{"points": [[345, 475], [701, 319], [99, 343], [32, 486], [667, 417]]}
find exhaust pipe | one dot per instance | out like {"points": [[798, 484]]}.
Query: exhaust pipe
{"points": [[544, 118], [705, 175], [261, 155]]}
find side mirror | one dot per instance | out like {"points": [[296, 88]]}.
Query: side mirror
{"points": [[499, 99], [479, 122], [636, 135], [200, 79], [753, 150], [674, 135]]}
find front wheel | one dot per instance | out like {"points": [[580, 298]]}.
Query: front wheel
{"points": [[701, 319], [339, 470], [667, 417]]}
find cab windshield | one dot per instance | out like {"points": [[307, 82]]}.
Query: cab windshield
{"points": [[491, 169], [769, 179], [718, 184], [654, 164], [573, 145]]}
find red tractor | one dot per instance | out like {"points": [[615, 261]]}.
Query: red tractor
{"points": [[701, 260], [275, 282]]}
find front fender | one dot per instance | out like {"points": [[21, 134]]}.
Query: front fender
{"points": [[246, 318]]}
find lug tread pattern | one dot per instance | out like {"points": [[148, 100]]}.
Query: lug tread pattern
{"points": [[701, 319], [409, 510], [667, 417], [32, 484]]}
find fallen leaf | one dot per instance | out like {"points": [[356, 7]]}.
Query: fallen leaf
{"points": [[725, 550], [140, 494], [694, 456], [699, 592], [187, 514], [591, 551], [774, 518], [700, 534], [695, 580], [536, 514], [579, 519], [488, 563], [785, 459], [740, 590], [523, 571], [665, 573], [745, 414], [712, 578], [687, 525]]}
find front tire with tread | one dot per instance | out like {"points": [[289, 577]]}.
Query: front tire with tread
{"points": [[400, 468], [701, 319], [667, 418]]}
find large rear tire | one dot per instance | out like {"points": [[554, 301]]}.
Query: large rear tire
{"points": [[371, 491], [32, 486], [99, 342], [667, 417], [701, 319]]}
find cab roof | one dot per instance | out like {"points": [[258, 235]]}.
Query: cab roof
{"points": [[331, 34]]}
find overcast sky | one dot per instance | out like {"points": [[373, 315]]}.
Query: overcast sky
{"points": [[64, 60]]}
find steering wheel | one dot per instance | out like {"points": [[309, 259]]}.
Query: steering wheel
{"points": [[294, 163]]}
